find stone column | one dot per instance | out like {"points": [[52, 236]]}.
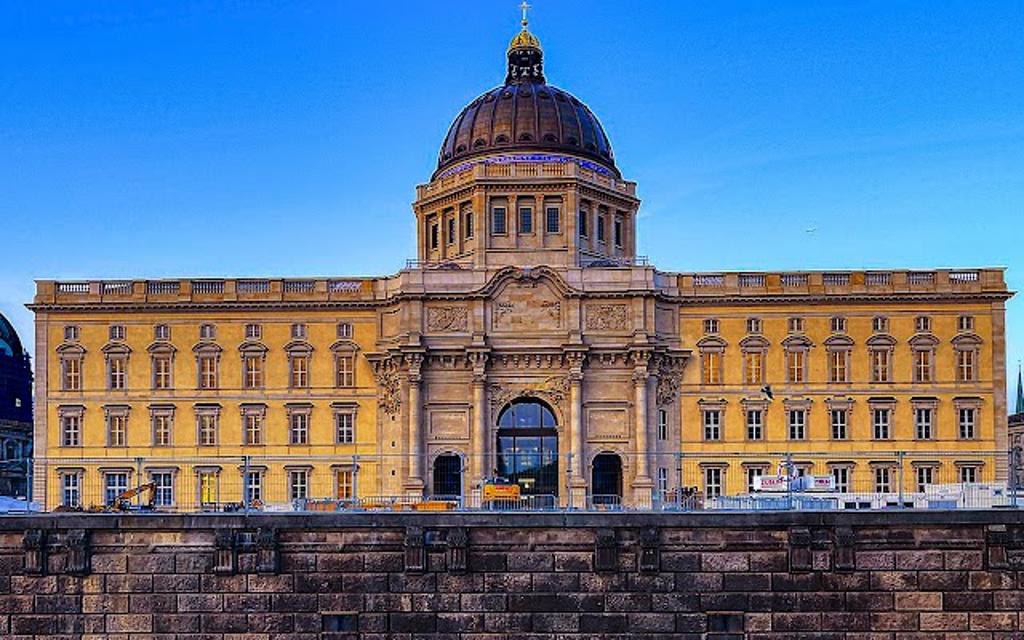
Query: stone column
{"points": [[478, 465], [414, 483], [577, 479], [640, 379], [642, 484]]}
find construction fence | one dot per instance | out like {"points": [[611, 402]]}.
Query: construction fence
{"points": [[534, 481]]}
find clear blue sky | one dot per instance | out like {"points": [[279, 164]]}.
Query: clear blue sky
{"points": [[285, 138]]}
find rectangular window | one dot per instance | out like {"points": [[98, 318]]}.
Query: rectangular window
{"points": [[117, 332], [525, 220], [922, 324], [711, 325], [300, 372], [841, 476], [880, 365], [434, 241], [162, 430], [344, 482], [795, 366], [712, 424], [298, 484], [71, 333], [468, 228], [117, 430], [344, 330], [254, 486], [968, 474], [600, 227], [72, 378], [253, 429], [755, 424], [753, 367], [965, 365], [883, 479], [923, 365], [662, 425], [299, 331], [797, 424], [118, 370], [71, 490], [452, 237], [582, 223], [662, 482], [712, 482], [753, 325], [966, 423], [924, 476], [208, 372], [253, 371], [880, 324], [498, 226], [711, 362], [161, 372], [965, 323], [796, 325], [880, 424], [554, 220], [71, 430], [346, 371], [839, 366], [207, 427], [346, 427], [838, 325], [114, 484], [207, 332], [253, 331], [753, 473], [208, 490], [162, 332], [617, 232], [298, 432], [163, 492], [838, 419], [923, 423]]}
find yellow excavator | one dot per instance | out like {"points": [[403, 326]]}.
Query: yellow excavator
{"points": [[122, 503]]}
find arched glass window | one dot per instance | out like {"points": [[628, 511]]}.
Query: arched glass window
{"points": [[527, 451]]}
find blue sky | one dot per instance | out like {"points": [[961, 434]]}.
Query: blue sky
{"points": [[285, 138]]}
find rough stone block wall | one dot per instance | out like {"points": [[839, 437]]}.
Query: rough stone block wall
{"points": [[523, 577]]}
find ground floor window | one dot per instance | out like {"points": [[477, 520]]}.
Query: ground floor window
{"points": [[163, 490], [115, 483], [71, 490]]}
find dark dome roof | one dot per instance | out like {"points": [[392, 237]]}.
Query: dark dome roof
{"points": [[526, 114], [526, 117], [9, 343]]}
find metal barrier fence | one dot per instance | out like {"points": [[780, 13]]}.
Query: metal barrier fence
{"points": [[532, 481]]}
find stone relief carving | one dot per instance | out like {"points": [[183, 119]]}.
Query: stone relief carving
{"points": [[529, 306], [448, 319], [608, 317], [389, 389], [553, 389]]}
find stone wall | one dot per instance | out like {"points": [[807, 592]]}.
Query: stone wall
{"points": [[285, 577]]}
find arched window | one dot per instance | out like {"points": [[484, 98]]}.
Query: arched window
{"points": [[527, 451]]}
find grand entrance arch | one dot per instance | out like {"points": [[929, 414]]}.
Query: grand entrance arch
{"points": [[527, 446]]}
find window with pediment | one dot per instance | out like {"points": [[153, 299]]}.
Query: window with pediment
{"points": [[838, 348], [712, 350], [753, 349], [966, 348], [880, 351], [797, 349], [922, 347]]}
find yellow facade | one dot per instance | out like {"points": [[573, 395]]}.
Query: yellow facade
{"points": [[527, 339]]}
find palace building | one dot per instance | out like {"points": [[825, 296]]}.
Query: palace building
{"points": [[527, 340]]}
